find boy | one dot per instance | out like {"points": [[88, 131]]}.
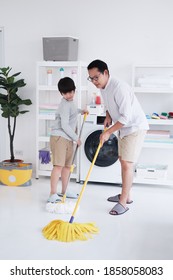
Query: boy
{"points": [[61, 139], [123, 108]]}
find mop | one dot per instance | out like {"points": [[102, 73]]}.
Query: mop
{"points": [[64, 206], [69, 231]]}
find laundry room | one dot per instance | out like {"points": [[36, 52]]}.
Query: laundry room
{"points": [[86, 103]]}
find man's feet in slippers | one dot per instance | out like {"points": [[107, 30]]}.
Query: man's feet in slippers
{"points": [[116, 198], [118, 209]]}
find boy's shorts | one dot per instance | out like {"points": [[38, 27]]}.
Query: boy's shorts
{"points": [[129, 147], [62, 151]]}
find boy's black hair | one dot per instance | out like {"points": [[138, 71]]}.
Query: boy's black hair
{"points": [[66, 85], [99, 64]]}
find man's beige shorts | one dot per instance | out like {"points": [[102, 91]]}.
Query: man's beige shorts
{"points": [[129, 147], [62, 151]]}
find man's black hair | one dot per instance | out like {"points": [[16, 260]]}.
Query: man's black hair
{"points": [[66, 85], [99, 64]]}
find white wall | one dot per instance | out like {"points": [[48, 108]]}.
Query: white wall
{"points": [[121, 32]]}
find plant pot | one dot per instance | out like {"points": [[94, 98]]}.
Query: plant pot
{"points": [[17, 174]]}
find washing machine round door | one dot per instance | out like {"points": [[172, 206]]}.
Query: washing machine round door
{"points": [[108, 154]]}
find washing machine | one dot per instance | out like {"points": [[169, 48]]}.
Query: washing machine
{"points": [[107, 166]]}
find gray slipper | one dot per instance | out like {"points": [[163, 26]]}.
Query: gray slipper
{"points": [[116, 198], [118, 209]]}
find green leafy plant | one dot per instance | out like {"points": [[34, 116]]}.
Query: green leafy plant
{"points": [[10, 102]]}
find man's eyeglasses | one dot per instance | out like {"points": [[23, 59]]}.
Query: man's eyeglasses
{"points": [[93, 79]]}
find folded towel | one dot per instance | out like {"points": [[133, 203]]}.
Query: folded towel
{"points": [[157, 81]]}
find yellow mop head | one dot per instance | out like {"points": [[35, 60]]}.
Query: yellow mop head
{"points": [[67, 232]]}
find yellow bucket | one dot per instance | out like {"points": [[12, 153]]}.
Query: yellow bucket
{"points": [[16, 175]]}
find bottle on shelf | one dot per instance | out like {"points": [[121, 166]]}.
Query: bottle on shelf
{"points": [[98, 99], [93, 99], [49, 77], [61, 72], [74, 75]]}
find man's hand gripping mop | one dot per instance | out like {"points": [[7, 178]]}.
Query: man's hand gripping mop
{"points": [[64, 206], [69, 231]]}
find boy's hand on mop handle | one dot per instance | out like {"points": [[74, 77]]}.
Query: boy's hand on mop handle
{"points": [[78, 142], [104, 136], [85, 112]]}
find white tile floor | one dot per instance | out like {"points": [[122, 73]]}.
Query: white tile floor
{"points": [[144, 232]]}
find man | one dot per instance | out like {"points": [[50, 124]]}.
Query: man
{"points": [[124, 110]]}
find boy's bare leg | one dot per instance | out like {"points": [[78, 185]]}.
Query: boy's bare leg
{"points": [[55, 174], [65, 178]]}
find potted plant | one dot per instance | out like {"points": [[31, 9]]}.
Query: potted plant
{"points": [[10, 102]]}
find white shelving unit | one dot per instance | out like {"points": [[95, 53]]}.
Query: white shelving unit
{"points": [[153, 86], [47, 100]]}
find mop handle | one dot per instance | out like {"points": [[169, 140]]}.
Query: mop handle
{"points": [[84, 119], [80, 133], [74, 155], [85, 183]]}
